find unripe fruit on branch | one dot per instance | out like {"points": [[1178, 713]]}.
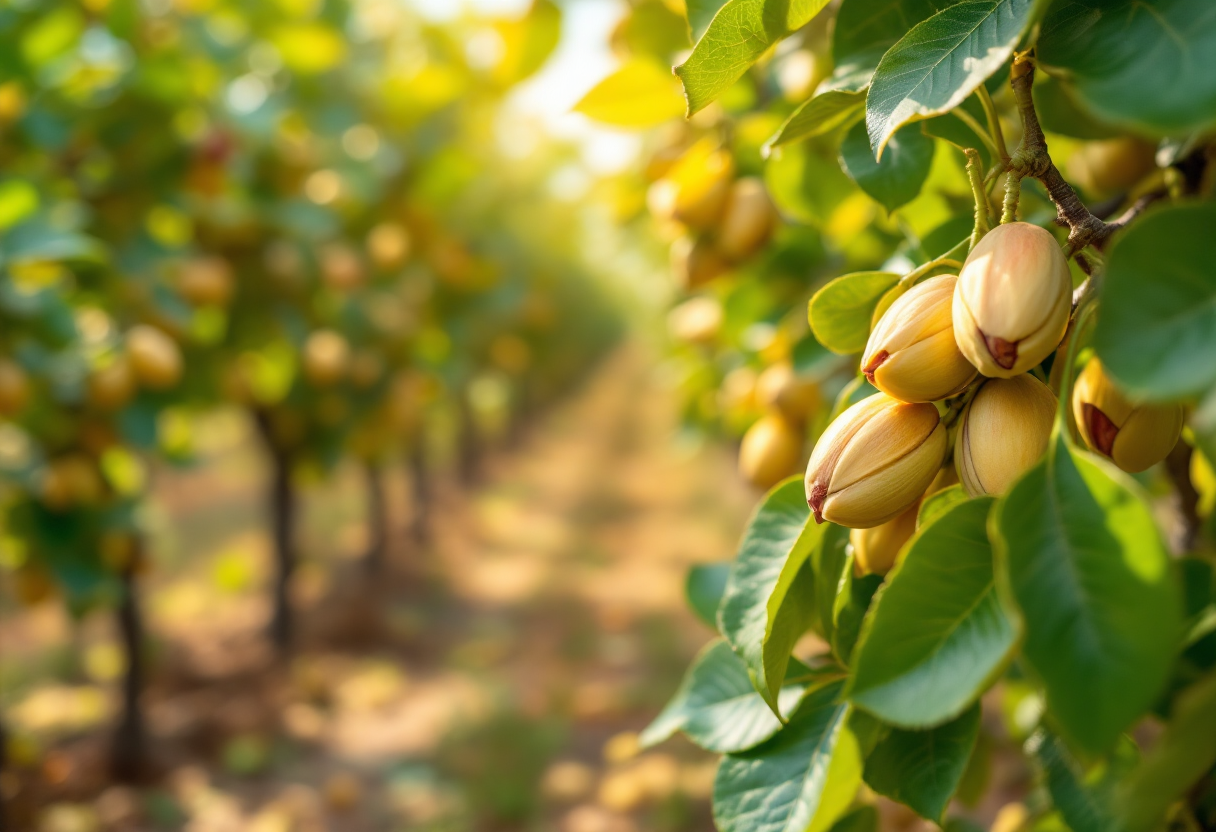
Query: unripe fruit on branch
{"points": [[876, 550], [206, 281], [695, 321], [14, 388], [748, 220], [771, 451], [1012, 300], [695, 190], [780, 388], [695, 262], [155, 358], [326, 357], [912, 354], [1111, 166], [1135, 436], [112, 385], [874, 461], [1003, 432]]}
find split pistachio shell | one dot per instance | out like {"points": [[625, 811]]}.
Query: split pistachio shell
{"points": [[876, 550], [771, 451], [874, 461], [912, 354], [1135, 436], [1003, 432], [1012, 300]]}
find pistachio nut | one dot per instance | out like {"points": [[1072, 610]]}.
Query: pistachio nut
{"points": [[696, 320], [1003, 432], [1012, 300], [1135, 436], [874, 461], [912, 354], [771, 451], [876, 550], [781, 389], [695, 262], [748, 220]]}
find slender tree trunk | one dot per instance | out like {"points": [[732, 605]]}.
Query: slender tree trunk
{"points": [[377, 519], [128, 753], [282, 508], [420, 487]]}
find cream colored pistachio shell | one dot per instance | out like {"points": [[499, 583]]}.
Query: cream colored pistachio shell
{"points": [[1003, 432], [876, 550], [748, 219], [1135, 437], [770, 451], [912, 354], [1012, 300], [874, 461]]}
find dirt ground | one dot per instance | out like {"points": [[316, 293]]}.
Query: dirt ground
{"points": [[493, 679]]}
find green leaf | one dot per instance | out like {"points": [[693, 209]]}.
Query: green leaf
{"points": [[1183, 753], [828, 562], [703, 589], [641, 93], [922, 769], [868, 28], [717, 707], [738, 35], [700, 13], [1139, 64], [528, 42], [768, 603], [951, 128], [898, 178], [806, 183], [816, 116], [938, 504], [940, 62], [37, 240], [938, 634], [1059, 113], [1083, 558], [840, 312], [1156, 329], [1080, 807], [861, 819], [799, 780], [852, 603]]}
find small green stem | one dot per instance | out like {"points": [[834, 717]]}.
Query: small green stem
{"points": [[981, 196], [994, 121], [969, 120], [1013, 194]]}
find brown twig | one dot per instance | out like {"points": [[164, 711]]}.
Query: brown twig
{"points": [[1178, 467]]}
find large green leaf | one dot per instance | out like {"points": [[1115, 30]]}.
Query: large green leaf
{"points": [[738, 35], [852, 603], [840, 312], [940, 62], [870, 27], [700, 13], [802, 779], [1157, 329], [898, 178], [769, 603], [1085, 809], [1084, 560], [935, 505], [829, 561], [938, 634], [717, 707], [703, 590], [816, 116], [806, 183], [1184, 752], [1145, 64], [922, 769]]}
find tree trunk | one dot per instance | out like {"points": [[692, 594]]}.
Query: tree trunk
{"points": [[128, 753], [377, 519], [282, 508]]}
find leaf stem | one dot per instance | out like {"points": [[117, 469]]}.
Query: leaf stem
{"points": [[994, 121], [1013, 194], [975, 176], [989, 142]]}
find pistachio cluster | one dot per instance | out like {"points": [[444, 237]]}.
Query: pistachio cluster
{"points": [[772, 447], [1003, 314]]}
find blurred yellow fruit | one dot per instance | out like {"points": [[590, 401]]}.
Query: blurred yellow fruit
{"points": [[206, 281], [1003, 431], [343, 792], [695, 321], [112, 385], [780, 388], [748, 219], [341, 267], [70, 481], [695, 262], [326, 357], [875, 550], [366, 368], [156, 361], [1135, 436], [874, 461], [771, 451], [14, 388], [1111, 166], [388, 244], [1012, 817], [32, 584]]}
